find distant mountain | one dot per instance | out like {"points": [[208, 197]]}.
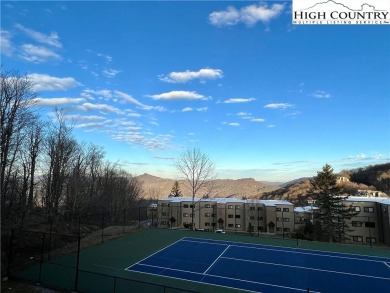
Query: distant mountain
{"points": [[293, 182], [156, 187], [375, 177]]}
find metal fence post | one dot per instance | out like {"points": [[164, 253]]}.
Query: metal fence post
{"points": [[50, 232], [103, 228], [124, 220], [11, 240], [77, 263], [139, 217], [42, 255]]}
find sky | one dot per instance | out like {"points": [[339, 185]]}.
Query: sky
{"points": [[261, 97]]}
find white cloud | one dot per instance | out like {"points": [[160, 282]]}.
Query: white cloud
{"points": [[43, 82], [321, 95], [84, 118], [257, 119], [239, 100], [50, 40], [230, 16], [234, 124], [279, 106], [126, 98], [37, 54], [204, 109], [244, 115], [53, 102], [248, 15], [185, 76], [187, 109], [100, 107], [101, 94], [6, 44], [110, 73], [178, 95], [97, 125]]}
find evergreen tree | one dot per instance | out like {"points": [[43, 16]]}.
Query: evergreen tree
{"points": [[175, 191], [331, 202]]}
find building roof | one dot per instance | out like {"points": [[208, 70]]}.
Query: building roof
{"points": [[306, 209], [224, 200], [382, 200]]}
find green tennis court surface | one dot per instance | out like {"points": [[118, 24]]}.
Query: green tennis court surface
{"points": [[102, 268]]}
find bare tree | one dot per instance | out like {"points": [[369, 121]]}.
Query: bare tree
{"points": [[197, 169], [17, 95], [60, 149]]}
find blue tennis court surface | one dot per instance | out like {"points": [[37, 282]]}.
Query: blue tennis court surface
{"points": [[262, 268]]}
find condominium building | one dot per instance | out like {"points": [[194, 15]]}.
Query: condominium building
{"points": [[372, 223], [258, 216]]}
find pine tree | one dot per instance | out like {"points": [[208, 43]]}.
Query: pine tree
{"points": [[331, 203], [175, 191]]}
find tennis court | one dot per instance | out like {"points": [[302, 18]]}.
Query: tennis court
{"points": [[263, 268]]}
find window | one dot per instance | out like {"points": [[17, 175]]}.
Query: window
{"points": [[278, 219], [251, 208], [192, 206], [357, 239], [286, 219], [207, 205], [230, 216], [252, 217], [356, 224], [278, 209], [238, 216], [286, 229], [207, 215], [355, 209], [230, 225], [286, 209], [278, 229], [185, 215], [207, 224], [213, 215], [259, 208], [164, 214], [238, 207], [369, 224], [185, 206], [238, 226], [260, 218], [370, 240], [230, 207], [368, 209]]}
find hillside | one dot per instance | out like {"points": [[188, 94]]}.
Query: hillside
{"points": [[156, 187], [375, 177]]}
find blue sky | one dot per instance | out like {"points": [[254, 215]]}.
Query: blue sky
{"points": [[262, 97]]}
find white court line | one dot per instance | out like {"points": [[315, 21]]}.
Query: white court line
{"points": [[266, 284], [216, 259], [296, 252], [204, 242], [222, 277], [138, 262], [293, 250], [305, 268], [197, 282]]}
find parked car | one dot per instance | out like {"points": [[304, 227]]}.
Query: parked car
{"points": [[219, 231]]}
